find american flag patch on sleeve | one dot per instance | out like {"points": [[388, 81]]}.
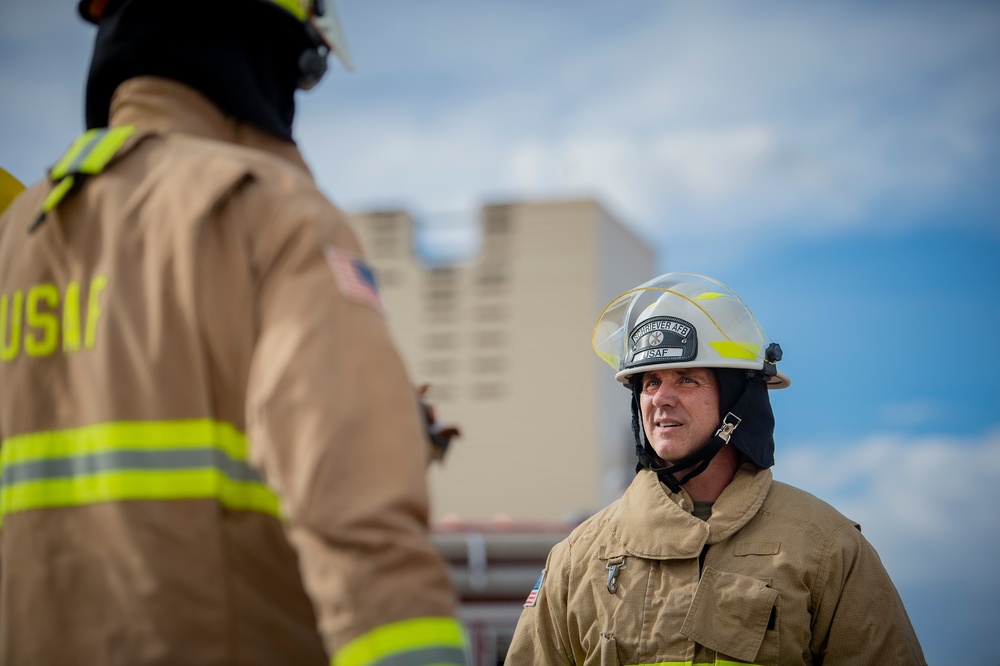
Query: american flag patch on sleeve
{"points": [[354, 278], [533, 596]]}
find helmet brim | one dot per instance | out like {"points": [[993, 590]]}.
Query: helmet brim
{"points": [[92, 10], [778, 381]]}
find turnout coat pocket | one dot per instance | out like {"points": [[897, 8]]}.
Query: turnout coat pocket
{"points": [[609, 651], [730, 614]]}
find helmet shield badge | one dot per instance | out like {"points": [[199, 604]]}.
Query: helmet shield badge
{"points": [[662, 340]]}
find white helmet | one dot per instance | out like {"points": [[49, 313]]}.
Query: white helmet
{"points": [[684, 320]]}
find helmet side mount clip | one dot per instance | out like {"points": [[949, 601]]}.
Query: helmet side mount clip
{"points": [[313, 61], [729, 424], [771, 357]]}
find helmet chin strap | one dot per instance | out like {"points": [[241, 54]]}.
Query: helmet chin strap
{"points": [[698, 461]]}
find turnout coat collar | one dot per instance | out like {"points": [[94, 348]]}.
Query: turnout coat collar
{"points": [[163, 105], [648, 502]]}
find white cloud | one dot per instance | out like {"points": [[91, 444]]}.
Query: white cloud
{"points": [[701, 118], [912, 412], [929, 505]]}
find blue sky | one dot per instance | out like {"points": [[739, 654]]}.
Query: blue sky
{"points": [[834, 163]]}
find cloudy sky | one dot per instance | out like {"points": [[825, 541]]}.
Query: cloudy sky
{"points": [[835, 163]]}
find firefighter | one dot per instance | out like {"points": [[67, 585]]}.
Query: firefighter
{"points": [[211, 451], [705, 559]]}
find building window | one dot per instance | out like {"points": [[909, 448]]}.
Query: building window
{"points": [[386, 235], [497, 221], [488, 364], [440, 392], [440, 288], [438, 313], [440, 296], [388, 278], [438, 367], [490, 337], [492, 274], [491, 313], [487, 391], [384, 248], [441, 274], [439, 341]]}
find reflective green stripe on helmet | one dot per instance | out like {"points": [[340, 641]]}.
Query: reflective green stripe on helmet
{"points": [[730, 349], [143, 460], [419, 642], [293, 7]]}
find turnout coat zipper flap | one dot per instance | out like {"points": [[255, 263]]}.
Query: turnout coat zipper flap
{"points": [[775, 576], [187, 391]]}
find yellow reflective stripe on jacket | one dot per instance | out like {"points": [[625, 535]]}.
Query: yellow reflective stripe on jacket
{"points": [[91, 152], [140, 460], [425, 641], [717, 662], [88, 155]]}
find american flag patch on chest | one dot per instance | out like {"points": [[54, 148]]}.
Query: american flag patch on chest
{"points": [[535, 591], [354, 278]]}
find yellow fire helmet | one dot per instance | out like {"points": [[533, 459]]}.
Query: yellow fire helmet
{"points": [[684, 320], [10, 187], [319, 17]]}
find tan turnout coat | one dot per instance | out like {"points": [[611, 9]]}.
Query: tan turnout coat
{"points": [[173, 334], [785, 579]]}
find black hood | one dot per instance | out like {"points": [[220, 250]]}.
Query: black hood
{"points": [[747, 397], [244, 56]]}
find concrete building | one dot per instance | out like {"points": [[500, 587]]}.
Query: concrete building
{"points": [[504, 340]]}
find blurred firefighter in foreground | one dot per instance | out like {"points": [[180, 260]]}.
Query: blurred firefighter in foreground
{"points": [[211, 451], [705, 559]]}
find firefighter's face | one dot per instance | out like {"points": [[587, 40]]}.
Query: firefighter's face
{"points": [[680, 410]]}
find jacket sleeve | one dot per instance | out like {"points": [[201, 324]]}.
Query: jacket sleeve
{"points": [[542, 637], [334, 425], [860, 618]]}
